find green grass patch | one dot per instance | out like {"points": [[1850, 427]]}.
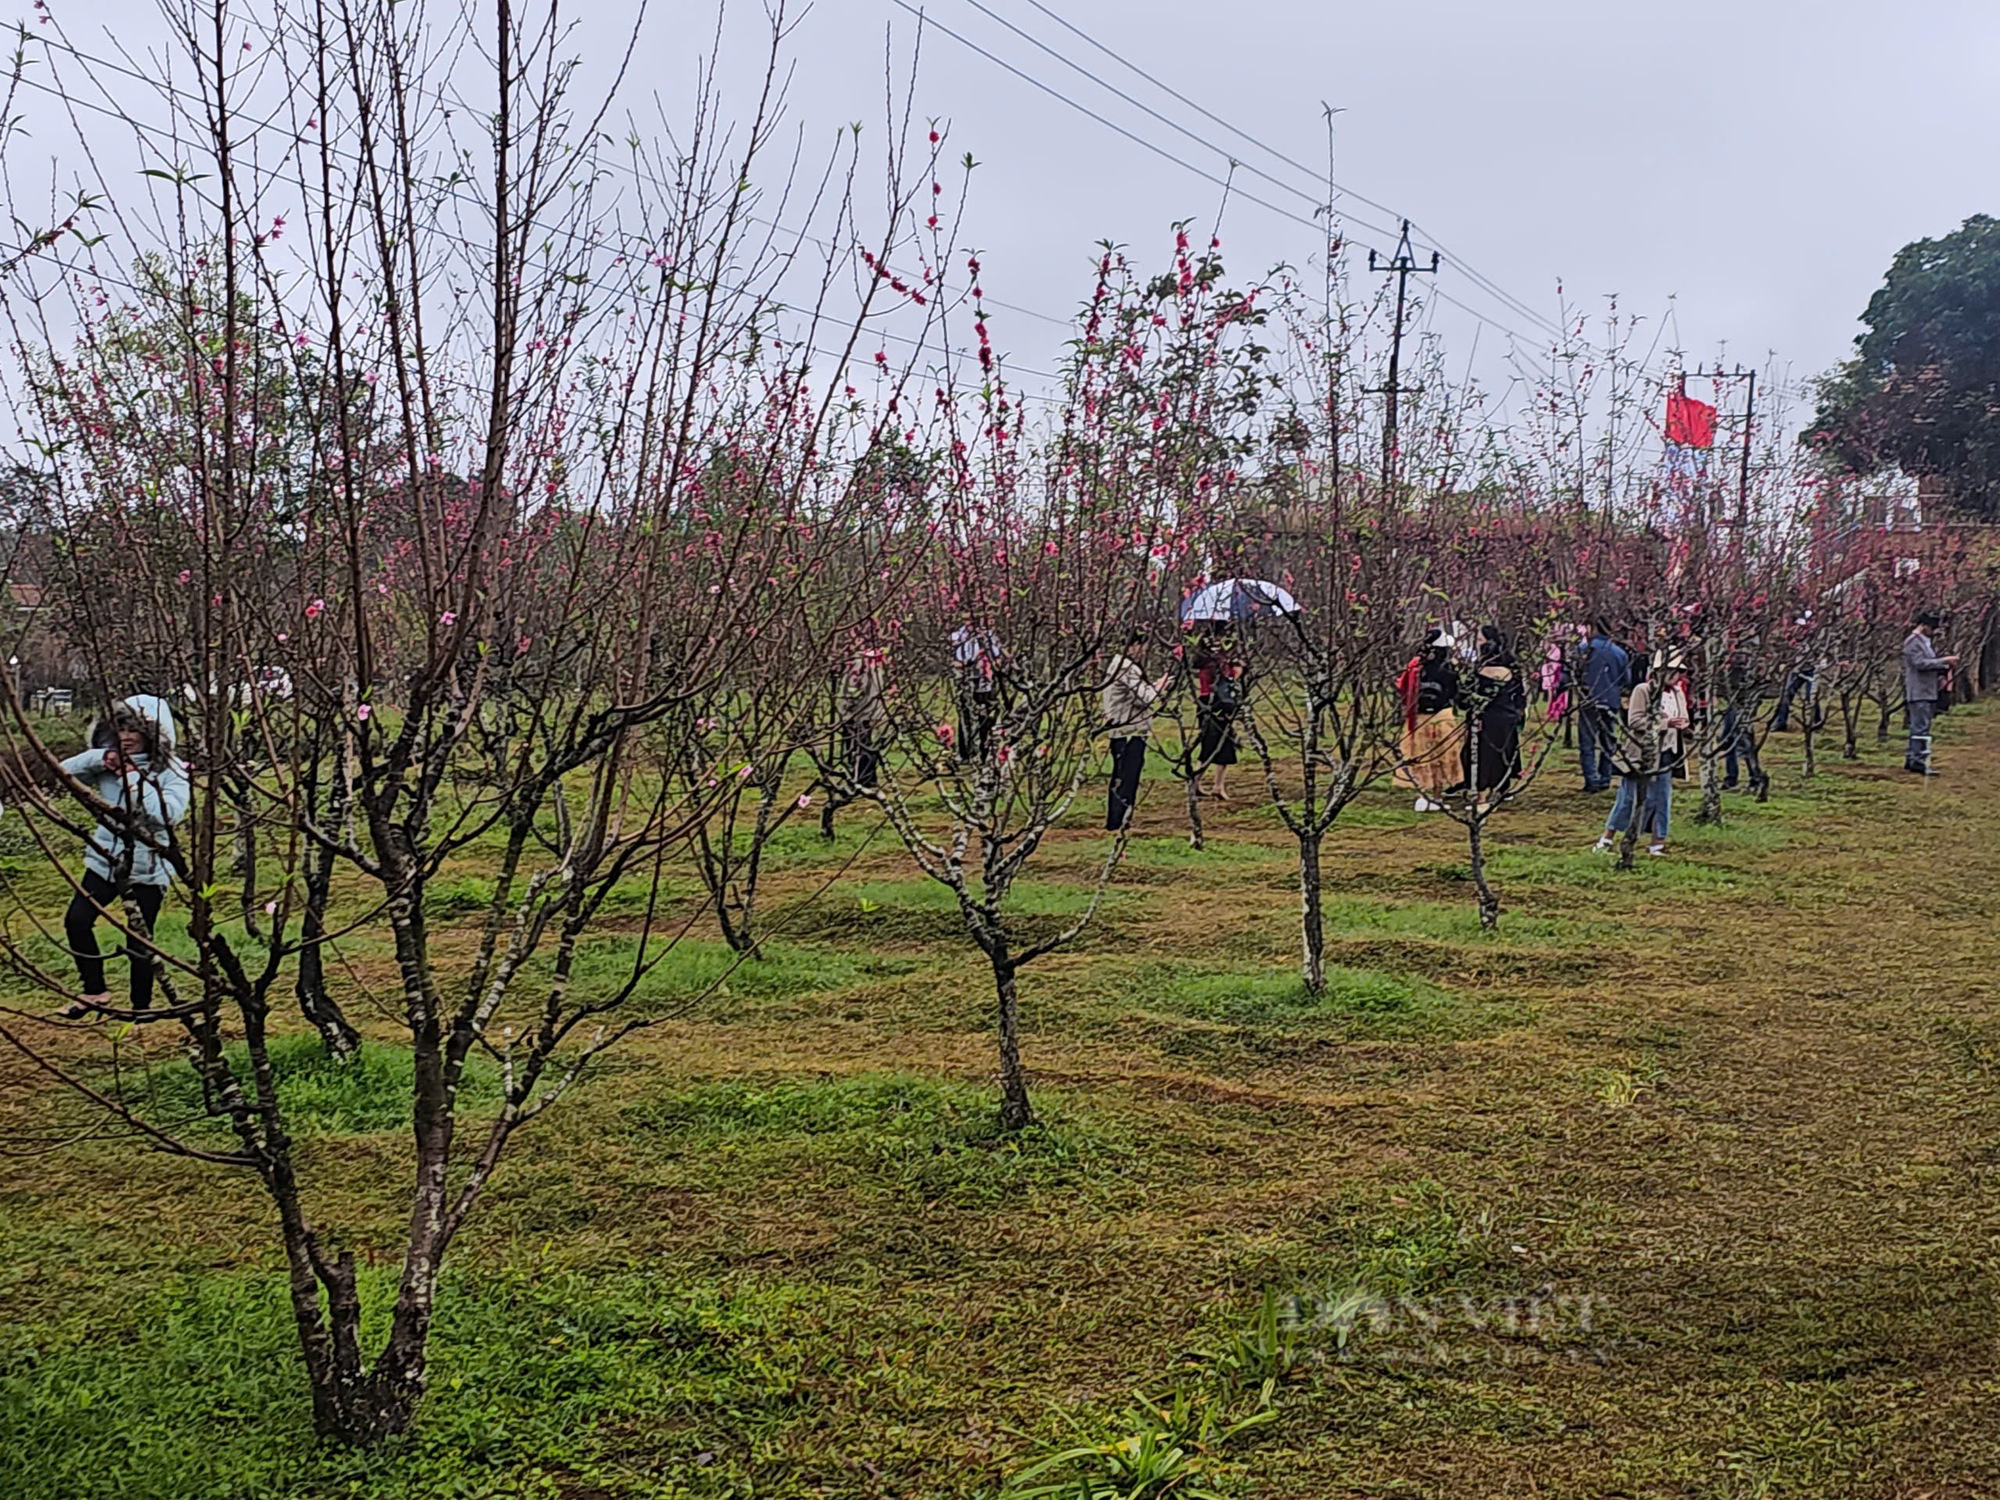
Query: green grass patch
{"points": [[1588, 869], [534, 1378], [1264, 998], [1216, 851], [917, 1139], [1446, 922], [319, 1097], [1028, 898], [694, 969]]}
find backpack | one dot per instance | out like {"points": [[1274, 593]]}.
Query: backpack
{"points": [[1227, 693]]}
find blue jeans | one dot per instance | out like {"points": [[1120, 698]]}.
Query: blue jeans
{"points": [[1659, 796], [1594, 738]]}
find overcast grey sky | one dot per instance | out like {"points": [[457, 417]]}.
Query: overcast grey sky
{"points": [[1749, 164], [1752, 164]]}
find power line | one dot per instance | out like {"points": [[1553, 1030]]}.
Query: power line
{"points": [[1461, 265], [1484, 283]]}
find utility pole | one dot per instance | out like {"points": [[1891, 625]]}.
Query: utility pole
{"points": [[1743, 478], [1401, 265], [1749, 379]]}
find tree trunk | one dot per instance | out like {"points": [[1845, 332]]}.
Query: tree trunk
{"points": [[1710, 811], [1489, 901], [1850, 721], [1628, 841], [1312, 919], [1810, 731], [336, 1032], [245, 835], [733, 918], [1015, 1111], [1194, 812]]}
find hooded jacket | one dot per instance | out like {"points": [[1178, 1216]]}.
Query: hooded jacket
{"points": [[154, 787], [1128, 700]]}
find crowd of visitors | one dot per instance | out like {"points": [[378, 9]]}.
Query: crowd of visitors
{"points": [[1465, 700]]}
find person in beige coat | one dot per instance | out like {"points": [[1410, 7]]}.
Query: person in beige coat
{"points": [[1655, 724], [1128, 702]]}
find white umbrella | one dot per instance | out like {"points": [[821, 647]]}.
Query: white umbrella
{"points": [[1235, 599]]}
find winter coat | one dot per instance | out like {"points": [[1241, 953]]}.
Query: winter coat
{"points": [[154, 787], [1922, 668], [1607, 672], [1671, 720], [1128, 700], [861, 690]]}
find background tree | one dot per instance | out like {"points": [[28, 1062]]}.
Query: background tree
{"points": [[1922, 392]]}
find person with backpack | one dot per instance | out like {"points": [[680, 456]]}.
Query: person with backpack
{"points": [[1657, 714]]}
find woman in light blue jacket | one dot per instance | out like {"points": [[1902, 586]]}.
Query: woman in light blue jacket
{"points": [[131, 767]]}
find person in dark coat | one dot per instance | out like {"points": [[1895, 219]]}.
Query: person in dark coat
{"points": [[1218, 700], [1607, 676], [1496, 704]]}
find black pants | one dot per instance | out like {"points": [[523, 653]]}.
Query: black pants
{"points": [[977, 714], [1128, 758], [80, 924], [864, 760]]}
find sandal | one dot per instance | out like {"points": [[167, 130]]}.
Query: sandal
{"points": [[84, 1009]]}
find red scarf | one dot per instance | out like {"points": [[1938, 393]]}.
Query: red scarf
{"points": [[1409, 685]]}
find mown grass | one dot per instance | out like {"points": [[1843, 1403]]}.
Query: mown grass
{"points": [[780, 1250]]}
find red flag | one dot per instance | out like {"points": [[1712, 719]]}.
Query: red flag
{"points": [[1690, 423]]}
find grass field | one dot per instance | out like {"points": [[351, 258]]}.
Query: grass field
{"points": [[1685, 1184]]}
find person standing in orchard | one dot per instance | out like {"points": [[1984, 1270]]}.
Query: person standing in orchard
{"points": [[1656, 715], [863, 719], [1496, 703], [1429, 691], [1923, 669], [1607, 673], [1128, 702], [1218, 699], [132, 770], [975, 660]]}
